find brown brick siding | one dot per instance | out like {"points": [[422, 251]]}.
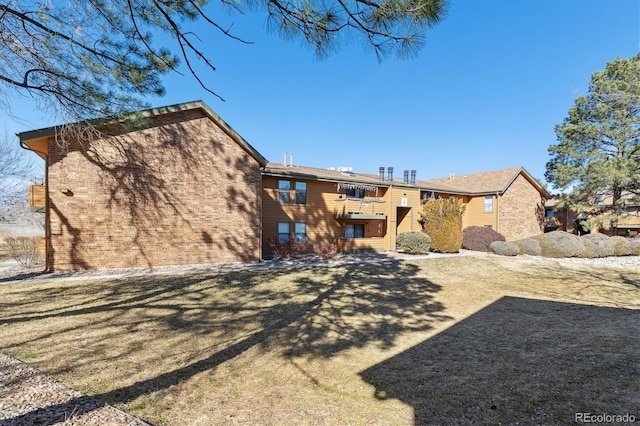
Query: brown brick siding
{"points": [[179, 192], [521, 210]]}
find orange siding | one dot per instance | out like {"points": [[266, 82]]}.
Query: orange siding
{"points": [[324, 202], [404, 213], [474, 214]]}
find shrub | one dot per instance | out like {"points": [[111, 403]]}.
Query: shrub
{"points": [[529, 246], [413, 242], [286, 250], [597, 245], [504, 248], [479, 238], [620, 246], [25, 250], [325, 250], [560, 244], [634, 246], [441, 219]]}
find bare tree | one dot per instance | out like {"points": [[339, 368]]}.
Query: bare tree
{"points": [[90, 58], [16, 170]]}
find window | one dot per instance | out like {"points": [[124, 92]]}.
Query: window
{"points": [[301, 231], [355, 193], [354, 231], [284, 191], [284, 232], [301, 193], [549, 213], [488, 204]]}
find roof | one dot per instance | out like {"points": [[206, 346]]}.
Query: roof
{"points": [[492, 182], [312, 173], [54, 130]]}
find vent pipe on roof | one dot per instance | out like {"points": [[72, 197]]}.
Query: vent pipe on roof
{"points": [[405, 179], [390, 174], [381, 174], [291, 159], [413, 177], [284, 162]]}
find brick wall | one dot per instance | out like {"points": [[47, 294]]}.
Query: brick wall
{"points": [[179, 192], [521, 210]]}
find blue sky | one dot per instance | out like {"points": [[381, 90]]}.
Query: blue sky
{"points": [[484, 93]]}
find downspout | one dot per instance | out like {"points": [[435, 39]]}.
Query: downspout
{"points": [[497, 211]]}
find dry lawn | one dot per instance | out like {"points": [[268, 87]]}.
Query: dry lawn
{"points": [[457, 340]]}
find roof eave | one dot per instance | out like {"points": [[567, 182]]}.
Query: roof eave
{"points": [[54, 130]]}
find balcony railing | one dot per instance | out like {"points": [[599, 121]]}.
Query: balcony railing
{"points": [[361, 208], [37, 197]]}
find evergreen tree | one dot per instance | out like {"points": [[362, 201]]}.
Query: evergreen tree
{"points": [[94, 58], [598, 150]]}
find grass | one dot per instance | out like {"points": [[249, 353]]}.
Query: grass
{"points": [[462, 340]]}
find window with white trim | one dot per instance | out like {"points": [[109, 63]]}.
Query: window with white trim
{"points": [[488, 204]]}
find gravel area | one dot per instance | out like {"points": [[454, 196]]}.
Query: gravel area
{"points": [[28, 397], [11, 272]]}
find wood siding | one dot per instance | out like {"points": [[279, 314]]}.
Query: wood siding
{"points": [[474, 214], [325, 203], [37, 196]]}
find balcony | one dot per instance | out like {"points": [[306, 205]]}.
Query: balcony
{"points": [[361, 209], [37, 198]]}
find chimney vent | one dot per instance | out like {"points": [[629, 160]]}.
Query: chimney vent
{"points": [[291, 159], [390, 174], [284, 162], [381, 174], [405, 180], [413, 177]]}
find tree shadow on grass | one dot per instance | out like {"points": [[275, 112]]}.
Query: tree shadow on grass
{"points": [[312, 311], [519, 360]]}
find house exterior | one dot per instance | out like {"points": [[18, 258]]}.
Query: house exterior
{"points": [[510, 201], [565, 219], [356, 211], [183, 189]]}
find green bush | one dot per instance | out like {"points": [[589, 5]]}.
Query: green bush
{"points": [[529, 246], [560, 244], [413, 242], [598, 245], [478, 238], [504, 248], [441, 219], [620, 246]]}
